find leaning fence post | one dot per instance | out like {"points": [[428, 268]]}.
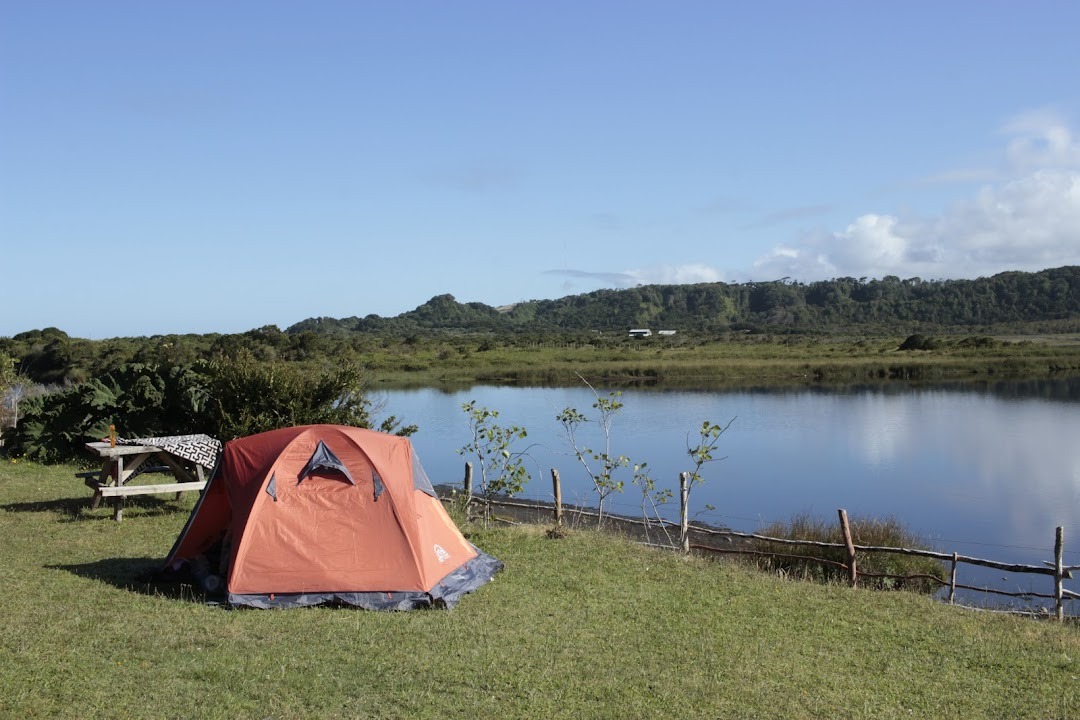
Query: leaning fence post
{"points": [[468, 486], [556, 487], [1059, 573], [952, 582], [853, 571], [684, 522]]}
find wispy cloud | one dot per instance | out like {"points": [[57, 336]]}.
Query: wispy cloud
{"points": [[962, 175], [653, 275], [723, 206], [621, 279], [1040, 139], [780, 217], [606, 221], [1037, 140], [478, 178]]}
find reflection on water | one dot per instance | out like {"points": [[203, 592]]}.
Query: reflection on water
{"points": [[986, 469]]}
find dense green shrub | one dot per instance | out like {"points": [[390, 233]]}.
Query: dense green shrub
{"points": [[8, 378], [248, 397], [919, 342], [7, 372], [141, 400], [224, 398]]}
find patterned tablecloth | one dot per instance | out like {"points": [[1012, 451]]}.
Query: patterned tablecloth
{"points": [[199, 449]]}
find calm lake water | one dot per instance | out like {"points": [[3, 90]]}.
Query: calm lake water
{"points": [[981, 469]]}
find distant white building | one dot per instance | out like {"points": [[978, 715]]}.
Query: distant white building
{"points": [[640, 333]]}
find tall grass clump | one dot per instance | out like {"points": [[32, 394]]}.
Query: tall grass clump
{"points": [[799, 561]]}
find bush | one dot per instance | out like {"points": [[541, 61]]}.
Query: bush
{"points": [[886, 532], [141, 400], [246, 397], [225, 398], [980, 342], [919, 341]]}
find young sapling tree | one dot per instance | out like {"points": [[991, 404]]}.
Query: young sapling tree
{"points": [[602, 466], [651, 498], [708, 436], [502, 470]]}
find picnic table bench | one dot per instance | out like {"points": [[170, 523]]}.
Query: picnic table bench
{"points": [[125, 460]]}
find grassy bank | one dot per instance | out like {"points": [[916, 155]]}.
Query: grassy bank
{"points": [[587, 626], [740, 360]]}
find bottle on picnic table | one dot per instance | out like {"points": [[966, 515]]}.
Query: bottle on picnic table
{"points": [[112, 436]]}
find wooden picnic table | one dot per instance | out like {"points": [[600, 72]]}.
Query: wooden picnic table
{"points": [[120, 462]]}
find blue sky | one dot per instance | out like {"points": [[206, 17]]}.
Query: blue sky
{"points": [[171, 167]]}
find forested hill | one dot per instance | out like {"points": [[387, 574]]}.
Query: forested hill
{"points": [[1009, 297]]}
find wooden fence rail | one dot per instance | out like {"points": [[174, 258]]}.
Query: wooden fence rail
{"points": [[1055, 569], [951, 584]]}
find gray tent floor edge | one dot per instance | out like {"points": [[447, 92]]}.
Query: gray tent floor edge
{"points": [[447, 592], [475, 573]]}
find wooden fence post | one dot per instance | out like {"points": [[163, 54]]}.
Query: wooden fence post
{"points": [[1059, 573], [684, 522], [556, 486], [853, 571], [952, 582], [468, 486]]}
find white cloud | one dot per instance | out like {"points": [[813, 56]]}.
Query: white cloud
{"points": [[872, 246], [872, 241], [798, 262], [1031, 222], [1028, 222], [675, 274], [1040, 139]]}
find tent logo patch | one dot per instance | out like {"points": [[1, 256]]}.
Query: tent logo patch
{"points": [[441, 553]]}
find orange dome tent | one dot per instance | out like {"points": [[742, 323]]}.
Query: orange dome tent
{"points": [[327, 514]]}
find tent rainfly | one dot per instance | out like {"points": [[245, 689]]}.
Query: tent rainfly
{"points": [[327, 514]]}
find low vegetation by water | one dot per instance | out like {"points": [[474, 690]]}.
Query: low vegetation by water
{"points": [[737, 361], [800, 561], [585, 626]]}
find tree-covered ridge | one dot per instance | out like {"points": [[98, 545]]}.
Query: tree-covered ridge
{"points": [[1013, 302], [1009, 297]]}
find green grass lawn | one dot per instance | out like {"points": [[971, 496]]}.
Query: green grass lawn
{"points": [[587, 626]]}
